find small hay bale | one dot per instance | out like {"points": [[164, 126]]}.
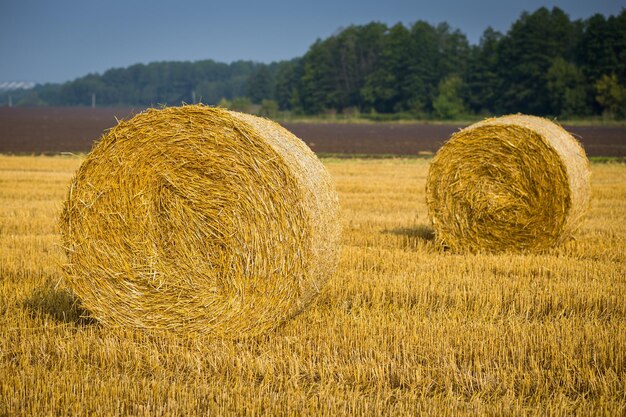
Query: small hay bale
{"points": [[511, 183], [199, 220]]}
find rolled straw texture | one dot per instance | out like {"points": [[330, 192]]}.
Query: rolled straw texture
{"points": [[511, 183], [198, 220]]}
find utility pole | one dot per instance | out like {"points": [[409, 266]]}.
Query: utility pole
{"points": [[93, 100], [193, 96], [10, 101]]}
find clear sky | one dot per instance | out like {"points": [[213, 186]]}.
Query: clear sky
{"points": [[59, 40]]}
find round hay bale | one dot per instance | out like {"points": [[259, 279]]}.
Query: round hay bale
{"points": [[510, 183], [199, 220]]}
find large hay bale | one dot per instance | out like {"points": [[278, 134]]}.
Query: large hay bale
{"points": [[199, 220], [511, 183]]}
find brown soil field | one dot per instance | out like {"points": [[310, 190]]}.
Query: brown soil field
{"points": [[49, 130]]}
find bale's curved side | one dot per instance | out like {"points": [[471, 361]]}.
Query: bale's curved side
{"points": [[319, 199], [200, 221], [511, 183]]}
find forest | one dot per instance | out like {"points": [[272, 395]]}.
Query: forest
{"points": [[545, 64]]}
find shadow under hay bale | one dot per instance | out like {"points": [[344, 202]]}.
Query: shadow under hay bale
{"points": [[59, 304], [420, 232], [510, 183], [198, 220], [411, 238]]}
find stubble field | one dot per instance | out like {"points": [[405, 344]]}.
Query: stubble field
{"points": [[401, 328]]}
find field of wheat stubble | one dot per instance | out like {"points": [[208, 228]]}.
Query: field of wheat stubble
{"points": [[401, 328]]}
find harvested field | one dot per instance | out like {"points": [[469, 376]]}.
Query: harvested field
{"points": [[54, 130], [402, 328]]}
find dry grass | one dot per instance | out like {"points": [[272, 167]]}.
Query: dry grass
{"points": [[197, 220], [400, 328], [510, 183]]}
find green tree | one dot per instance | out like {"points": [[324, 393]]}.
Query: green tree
{"points": [[566, 89], [317, 90], [269, 109], [335, 70], [242, 104], [383, 88], [418, 86], [611, 95], [448, 104], [483, 82], [408, 70], [224, 103], [50, 94], [356, 51], [287, 82], [211, 92], [260, 84], [525, 56], [602, 47], [79, 91], [295, 103], [454, 51], [31, 99]]}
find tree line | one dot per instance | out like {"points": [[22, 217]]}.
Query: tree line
{"points": [[546, 64]]}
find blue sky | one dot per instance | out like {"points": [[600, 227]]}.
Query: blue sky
{"points": [[59, 40]]}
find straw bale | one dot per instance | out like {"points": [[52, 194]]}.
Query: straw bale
{"points": [[199, 220], [511, 183]]}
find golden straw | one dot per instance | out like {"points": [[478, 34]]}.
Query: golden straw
{"points": [[198, 220], [511, 183]]}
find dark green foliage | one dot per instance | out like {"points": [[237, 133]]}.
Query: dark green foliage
{"points": [[602, 47], [31, 98], [260, 84], [525, 56], [286, 85], [157, 83], [546, 64], [611, 96], [269, 109], [566, 89], [317, 88], [334, 70], [483, 83], [384, 87], [448, 104], [412, 63]]}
